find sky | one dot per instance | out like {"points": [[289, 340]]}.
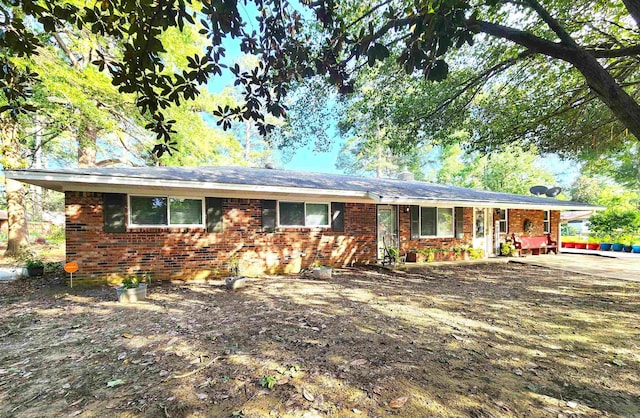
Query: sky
{"points": [[307, 159], [304, 158]]}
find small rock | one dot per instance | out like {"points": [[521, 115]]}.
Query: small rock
{"points": [[164, 373], [202, 396], [308, 395], [235, 283], [517, 372], [399, 402], [572, 404], [66, 386]]}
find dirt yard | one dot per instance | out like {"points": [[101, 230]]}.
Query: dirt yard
{"points": [[483, 340]]}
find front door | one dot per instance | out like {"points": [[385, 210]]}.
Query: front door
{"points": [[481, 230], [387, 228]]}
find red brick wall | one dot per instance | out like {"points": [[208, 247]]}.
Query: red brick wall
{"points": [[407, 244], [195, 253], [516, 218]]}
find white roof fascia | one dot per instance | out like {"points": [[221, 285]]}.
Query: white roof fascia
{"points": [[479, 204], [73, 182], [101, 183]]}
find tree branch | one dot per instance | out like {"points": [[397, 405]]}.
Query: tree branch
{"points": [[615, 53], [552, 23], [368, 13], [531, 42], [633, 6], [474, 82], [112, 161], [65, 49]]}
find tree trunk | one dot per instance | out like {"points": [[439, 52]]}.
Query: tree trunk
{"points": [[601, 82], [633, 6], [36, 191], [16, 211], [18, 227], [87, 145]]}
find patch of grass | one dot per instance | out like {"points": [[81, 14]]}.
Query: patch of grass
{"points": [[268, 381]]}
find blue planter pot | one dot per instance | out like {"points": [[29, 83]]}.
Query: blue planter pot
{"points": [[635, 249], [605, 246], [627, 248], [617, 247]]}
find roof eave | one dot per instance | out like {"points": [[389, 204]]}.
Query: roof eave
{"points": [[101, 183], [73, 182], [552, 205]]}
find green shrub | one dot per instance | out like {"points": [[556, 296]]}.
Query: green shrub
{"points": [[133, 281], [508, 249], [615, 223], [476, 253], [429, 254]]}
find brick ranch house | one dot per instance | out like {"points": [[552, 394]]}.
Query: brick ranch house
{"points": [[193, 222]]}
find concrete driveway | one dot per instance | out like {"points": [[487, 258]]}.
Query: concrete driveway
{"points": [[624, 268]]}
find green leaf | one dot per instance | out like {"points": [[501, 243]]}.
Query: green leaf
{"points": [[114, 383]]}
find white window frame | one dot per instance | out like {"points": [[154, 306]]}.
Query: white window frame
{"points": [[453, 221], [546, 223], [305, 203], [505, 221], [168, 224]]}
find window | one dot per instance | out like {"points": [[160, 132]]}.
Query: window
{"points": [[165, 211], [436, 222], [303, 214], [547, 222], [504, 221]]}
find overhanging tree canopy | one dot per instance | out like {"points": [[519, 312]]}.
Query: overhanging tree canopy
{"points": [[600, 40]]}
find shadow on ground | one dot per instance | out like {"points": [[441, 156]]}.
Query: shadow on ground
{"points": [[479, 340]]}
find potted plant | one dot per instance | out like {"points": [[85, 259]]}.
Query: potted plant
{"points": [[593, 244], [569, 241], [415, 256], [581, 244], [507, 249], [457, 251], [133, 288], [428, 254], [635, 246], [476, 253], [605, 242], [34, 266], [625, 240]]}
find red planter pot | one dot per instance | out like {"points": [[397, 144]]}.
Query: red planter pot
{"points": [[568, 245], [581, 246], [593, 246]]}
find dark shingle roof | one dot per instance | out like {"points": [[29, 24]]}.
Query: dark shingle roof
{"points": [[384, 188]]}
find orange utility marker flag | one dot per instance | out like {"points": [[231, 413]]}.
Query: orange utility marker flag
{"points": [[71, 268]]}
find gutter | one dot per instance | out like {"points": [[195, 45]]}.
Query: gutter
{"points": [[480, 203], [101, 183]]}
